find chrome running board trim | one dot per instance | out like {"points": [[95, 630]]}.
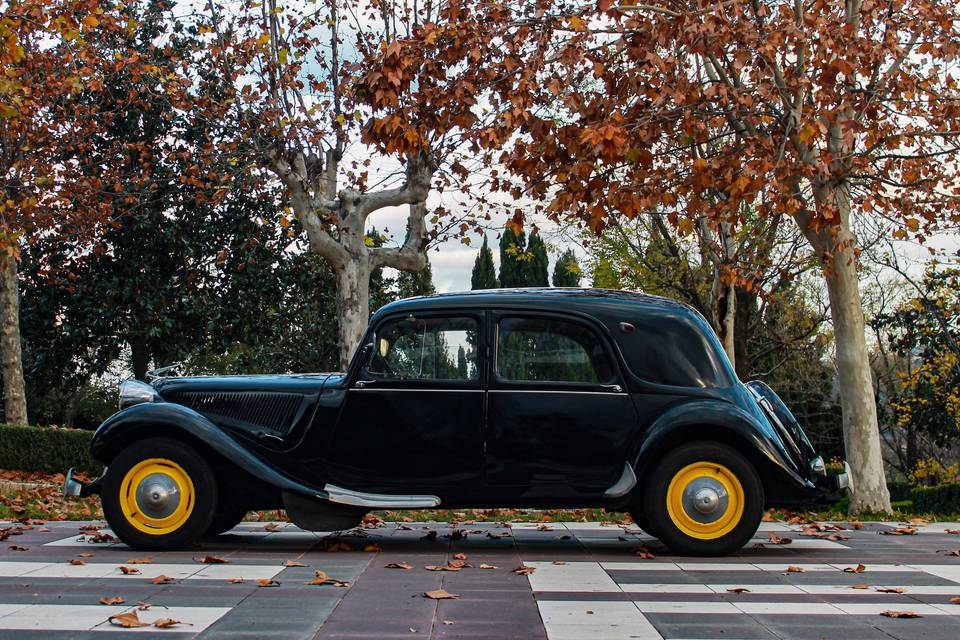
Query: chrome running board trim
{"points": [[379, 500], [623, 486]]}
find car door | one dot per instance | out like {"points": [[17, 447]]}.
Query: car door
{"points": [[559, 415], [413, 417]]}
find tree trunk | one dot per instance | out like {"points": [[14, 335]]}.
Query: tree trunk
{"points": [[724, 310], [139, 357], [353, 305], [14, 390], [861, 433]]}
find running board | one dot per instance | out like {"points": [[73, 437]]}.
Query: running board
{"points": [[379, 500], [623, 486]]}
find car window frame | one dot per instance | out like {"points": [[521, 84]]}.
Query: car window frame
{"points": [[371, 381], [497, 382]]}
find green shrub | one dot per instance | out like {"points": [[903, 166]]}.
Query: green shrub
{"points": [[46, 449], [899, 490], [941, 499]]}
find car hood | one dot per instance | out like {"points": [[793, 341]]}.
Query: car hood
{"points": [[304, 383]]}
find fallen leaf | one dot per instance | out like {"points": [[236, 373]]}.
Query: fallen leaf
{"points": [[487, 566], [954, 600], [293, 563], [794, 569], [140, 561], [458, 564], [77, 562], [448, 622], [953, 532], [113, 600], [267, 582], [857, 569], [544, 527], [16, 547], [85, 555], [644, 553], [890, 590], [739, 590], [373, 547], [166, 623], [862, 585], [459, 556], [955, 552], [100, 538], [899, 531], [900, 614], [856, 524], [447, 567], [320, 577], [775, 539], [559, 562], [161, 579], [127, 571], [271, 526], [235, 580], [440, 594], [128, 620], [212, 560], [143, 606], [398, 565], [336, 545], [523, 570]]}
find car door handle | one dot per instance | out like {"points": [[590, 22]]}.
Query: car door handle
{"points": [[612, 387], [360, 384]]}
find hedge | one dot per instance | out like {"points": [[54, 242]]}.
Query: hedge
{"points": [[46, 449], [941, 499], [899, 490]]}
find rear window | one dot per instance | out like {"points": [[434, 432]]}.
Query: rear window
{"points": [[672, 349]]}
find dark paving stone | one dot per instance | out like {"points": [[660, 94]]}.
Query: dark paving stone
{"points": [[675, 625]]}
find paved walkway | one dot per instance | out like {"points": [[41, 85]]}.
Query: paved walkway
{"points": [[587, 583]]}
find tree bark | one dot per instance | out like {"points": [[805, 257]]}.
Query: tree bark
{"points": [[353, 306], [139, 357], [835, 245], [14, 389]]}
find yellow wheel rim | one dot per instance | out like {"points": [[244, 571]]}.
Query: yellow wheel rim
{"points": [[157, 496], [705, 500]]}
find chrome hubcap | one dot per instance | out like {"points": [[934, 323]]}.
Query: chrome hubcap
{"points": [[705, 500], [158, 496]]}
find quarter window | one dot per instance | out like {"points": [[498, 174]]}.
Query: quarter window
{"points": [[550, 350], [426, 349]]}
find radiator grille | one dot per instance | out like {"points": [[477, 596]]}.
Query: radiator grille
{"points": [[273, 411]]}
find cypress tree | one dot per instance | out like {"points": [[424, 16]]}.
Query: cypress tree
{"points": [[537, 263], [566, 272], [484, 274], [512, 257]]}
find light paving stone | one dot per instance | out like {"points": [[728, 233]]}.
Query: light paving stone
{"points": [[788, 608], [665, 606], [572, 576]]}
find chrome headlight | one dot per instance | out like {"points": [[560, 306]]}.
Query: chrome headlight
{"points": [[136, 392]]}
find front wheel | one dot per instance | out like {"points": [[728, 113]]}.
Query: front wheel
{"points": [[159, 494], [704, 499]]}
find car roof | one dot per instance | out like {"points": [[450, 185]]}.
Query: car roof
{"points": [[589, 301]]}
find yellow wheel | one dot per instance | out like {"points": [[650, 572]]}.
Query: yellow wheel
{"points": [[159, 494], [703, 498]]}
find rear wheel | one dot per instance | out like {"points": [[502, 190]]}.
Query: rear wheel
{"points": [[159, 494], [704, 499]]}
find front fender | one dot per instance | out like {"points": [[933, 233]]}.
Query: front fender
{"points": [[726, 422], [152, 419]]}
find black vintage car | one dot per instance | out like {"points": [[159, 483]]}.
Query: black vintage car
{"points": [[507, 398]]}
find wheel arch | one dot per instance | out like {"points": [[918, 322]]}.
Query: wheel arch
{"points": [[726, 424], [224, 453]]}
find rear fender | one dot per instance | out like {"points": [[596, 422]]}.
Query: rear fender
{"points": [[707, 419], [166, 419]]}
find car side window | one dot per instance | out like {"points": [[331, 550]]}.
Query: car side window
{"points": [[551, 350], [426, 349]]}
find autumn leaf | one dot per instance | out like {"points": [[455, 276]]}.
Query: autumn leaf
{"points": [[795, 569], [271, 526], [644, 553], [77, 562], [212, 560], [890, 590], [899, 531], [293, 563], [739, 590], [440, 594], [85, 555], [459, 556], [127, 571], [523, 570], [166, 623], [161, 579], [398, 565], [112, 601], [860, 568], [128, 620], [954, 600], [267, 582], [336, 545], [954, 552], [900, 614], [372, 547], [775, 539], [235, 580], [487, 566], [862, 585], [16, 547], [320, 578]]}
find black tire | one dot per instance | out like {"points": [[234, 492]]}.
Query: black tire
{"points": [[181, 467], [714, 464], [640, 519], [225, 519]]}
